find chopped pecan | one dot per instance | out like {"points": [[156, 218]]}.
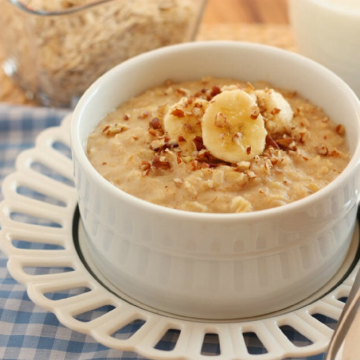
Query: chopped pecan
{"points": [[220, 120], [250, 85], [144, 114], [198, 141], [178, 181], [271, 142], [237, 138], [194, 165], [284, 142], [204, 155], [322, 150], [190, 100], [115, 129], [215, 90], [182, 92], [145, 165], [126, 117], [340, 129], [178, 113], [248, 150], [181, 139], [196, 111], [155, 123], [160, 162], [188, 128], [275, 111], [255, 113], [153, 132], [157, 144]]}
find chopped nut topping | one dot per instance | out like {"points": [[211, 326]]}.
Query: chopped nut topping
{"points": [[160, 162], [187, 159], [114, 129], [178, 113], [182, 91], [251, 174], [196, 111], [153, 132], [178, 181], [215, 90], [181, 139], [248, 150], [251, 86], [284, 143], [292, 146], [322, 150], [188, 128], [126, 117], [145, 165], [271, 142], [237, 138], [198, 141], [157, 144], [104, 163], [340, 129], [275, 111], [243, 165], [155, 123], [255, 113], [220, 120], [144, 114]]}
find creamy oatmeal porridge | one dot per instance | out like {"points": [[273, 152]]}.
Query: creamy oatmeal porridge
{"points": [[219, 146]]}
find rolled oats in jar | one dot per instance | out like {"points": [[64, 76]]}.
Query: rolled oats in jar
{"points": [[55, 49]]}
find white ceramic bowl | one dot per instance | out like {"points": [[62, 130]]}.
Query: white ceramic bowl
{"points": [[217, 266]]}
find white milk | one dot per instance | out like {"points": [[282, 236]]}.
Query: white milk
{"points": [[328, 31]]}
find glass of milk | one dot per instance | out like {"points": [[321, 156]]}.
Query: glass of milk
{"points": [[328, 31]]}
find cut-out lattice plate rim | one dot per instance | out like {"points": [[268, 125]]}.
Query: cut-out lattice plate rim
{"points": [[192, 332]]}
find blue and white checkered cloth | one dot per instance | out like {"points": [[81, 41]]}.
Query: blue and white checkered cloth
{"points": [[28, 332]]}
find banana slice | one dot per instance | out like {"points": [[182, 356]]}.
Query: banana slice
{"points": [[276, 105], [233, 128], [182, 122]]}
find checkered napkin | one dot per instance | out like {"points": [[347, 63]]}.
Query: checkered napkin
{"points": [[29, 332]]}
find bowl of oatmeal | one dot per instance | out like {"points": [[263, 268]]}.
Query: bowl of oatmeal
{"points": [[217, 180]]}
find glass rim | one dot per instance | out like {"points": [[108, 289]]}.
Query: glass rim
{"points": [[20, 5]]}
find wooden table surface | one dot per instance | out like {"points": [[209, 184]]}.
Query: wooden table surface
{"points": [[246, 11], [261, 21]]}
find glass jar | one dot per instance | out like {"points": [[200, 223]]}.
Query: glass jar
{"points": [[54, 49]]}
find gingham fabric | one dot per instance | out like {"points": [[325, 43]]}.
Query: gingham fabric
{"points": [[28, 332]]}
